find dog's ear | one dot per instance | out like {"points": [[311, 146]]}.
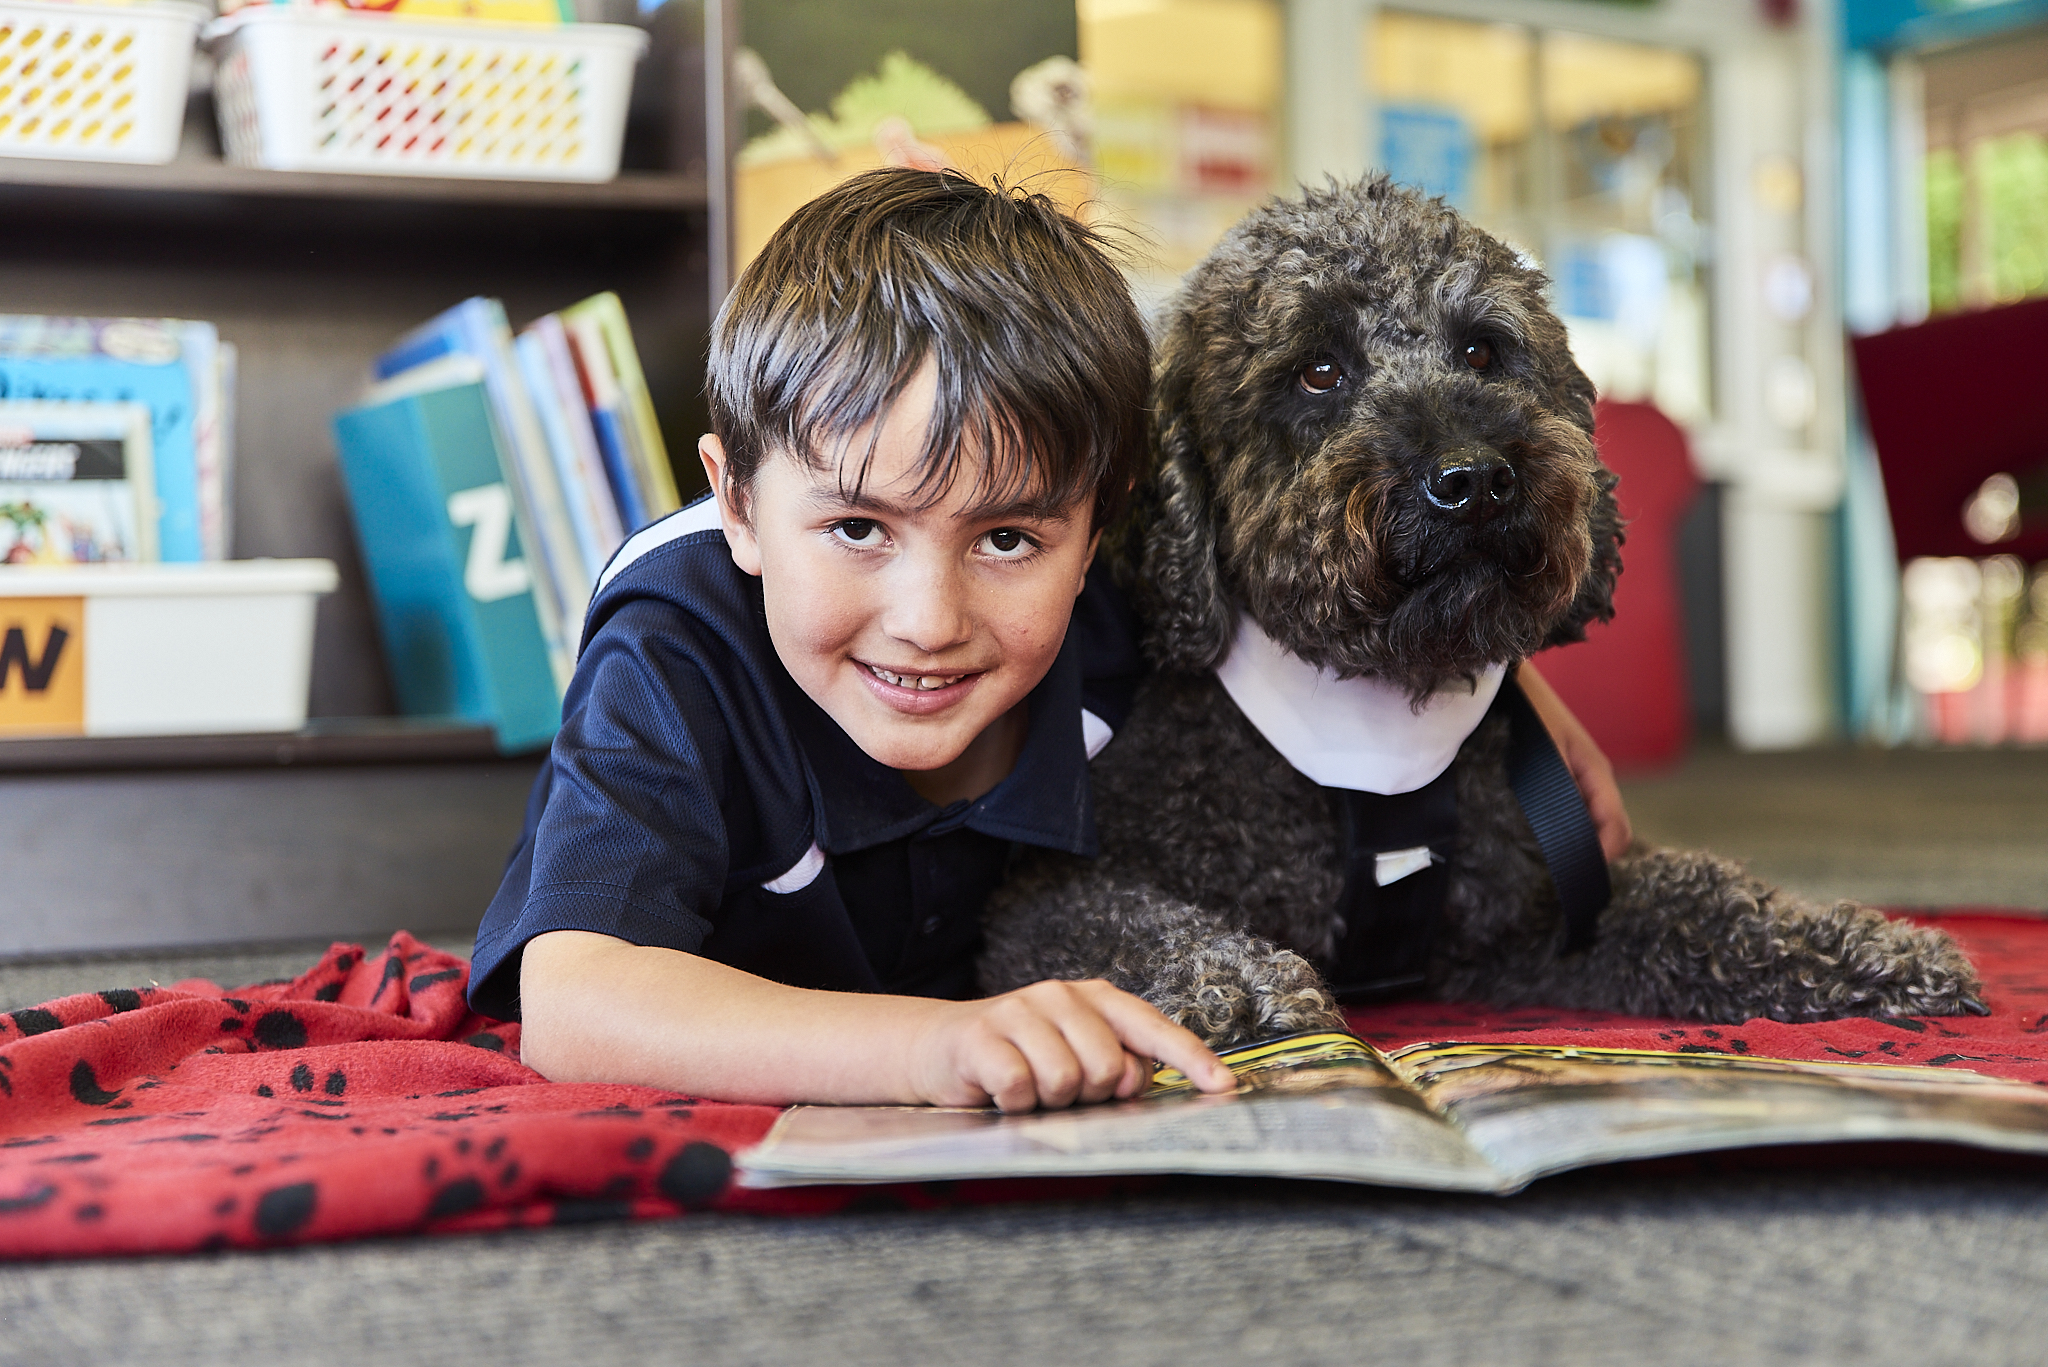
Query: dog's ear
{"points": [[1188, 622], [1594, 601]]}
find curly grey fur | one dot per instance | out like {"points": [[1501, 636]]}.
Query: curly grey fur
{"points": [[1220, 866]]}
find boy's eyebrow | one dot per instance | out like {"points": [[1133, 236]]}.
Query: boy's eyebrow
{"points": [[1029, 507]]}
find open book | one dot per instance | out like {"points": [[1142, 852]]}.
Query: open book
{"points": [[1454, 1117]]}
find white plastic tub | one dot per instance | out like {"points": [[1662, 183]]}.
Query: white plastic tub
{"points": [[138, 650], [310, 89], [95, 82]]}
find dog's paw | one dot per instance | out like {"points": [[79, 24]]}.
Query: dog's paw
{"points": [[1925, 974], [1236, 989], [1863, 963]]}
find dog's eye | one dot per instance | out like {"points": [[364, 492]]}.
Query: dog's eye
{"points": [[1479, 355], [1320, 377]]}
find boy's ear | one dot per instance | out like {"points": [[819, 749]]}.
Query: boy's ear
{"points": [[739, 533]]}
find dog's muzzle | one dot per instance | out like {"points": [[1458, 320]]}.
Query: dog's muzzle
{"points": [[1472, 483]]}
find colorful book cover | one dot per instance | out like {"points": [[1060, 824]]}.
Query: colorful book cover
{"points": [[448, 568], [477, 327], [601, 395], [211, 362], [642, 432], [551, 378], [121, 360], [76, 484]]}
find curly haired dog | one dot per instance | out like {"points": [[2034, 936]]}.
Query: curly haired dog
{"points": [[1375, 456]]}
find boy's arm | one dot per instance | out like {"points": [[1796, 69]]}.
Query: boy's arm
{"points": [[597, 1008], [1582, 755]]}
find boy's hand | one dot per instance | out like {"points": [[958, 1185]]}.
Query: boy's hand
{"points": [[1052, 1044]]}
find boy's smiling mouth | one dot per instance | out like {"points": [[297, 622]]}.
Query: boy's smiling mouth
{"points": [[918, 694]]}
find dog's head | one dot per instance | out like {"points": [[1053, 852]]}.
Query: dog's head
{"points": [[1372, 437]]}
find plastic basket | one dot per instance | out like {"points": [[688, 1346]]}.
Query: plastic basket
{"points": [[311, 90], [95, 83]]}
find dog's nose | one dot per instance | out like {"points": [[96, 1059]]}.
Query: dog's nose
{"points": [[1472, 483]]}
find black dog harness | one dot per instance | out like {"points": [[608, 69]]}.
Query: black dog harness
{"points": [[1389, 931]]}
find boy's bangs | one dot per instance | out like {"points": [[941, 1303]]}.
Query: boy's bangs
{"points": [[1019, 457]]}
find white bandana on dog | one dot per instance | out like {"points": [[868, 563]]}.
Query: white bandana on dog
{"points": [[1360, 734]]}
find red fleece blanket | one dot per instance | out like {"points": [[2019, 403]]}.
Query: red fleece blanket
{"points": [[364, 1098]]}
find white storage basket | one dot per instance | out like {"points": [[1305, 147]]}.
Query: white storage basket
{"points": [[94, 82], [314, 90], [142, 650]]}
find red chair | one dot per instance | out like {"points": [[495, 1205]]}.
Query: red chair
{"points": [[1626, 681]]}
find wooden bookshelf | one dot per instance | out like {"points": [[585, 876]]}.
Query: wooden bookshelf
{"points": [[362, 820], [670, 192], [326, 741]]}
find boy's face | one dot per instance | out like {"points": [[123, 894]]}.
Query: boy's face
{"points": [[915, 628]]}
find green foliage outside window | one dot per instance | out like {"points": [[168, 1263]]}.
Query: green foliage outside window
{"points": [[2014, 173], [1944, 230], [2005, 197]]}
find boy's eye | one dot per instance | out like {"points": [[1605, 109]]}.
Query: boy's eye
{"points": [[1007, 542], [858, 531]]}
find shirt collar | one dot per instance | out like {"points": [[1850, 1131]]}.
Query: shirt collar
{"points": [[1360, 734], [860, 802]]}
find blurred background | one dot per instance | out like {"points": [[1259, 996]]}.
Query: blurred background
{"points": [[1728, 196]]}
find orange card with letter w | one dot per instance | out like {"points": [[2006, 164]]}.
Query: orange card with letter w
{"points": [[42, 666]]}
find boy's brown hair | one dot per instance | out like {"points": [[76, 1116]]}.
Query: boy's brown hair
{"points": [[1042, 362]]}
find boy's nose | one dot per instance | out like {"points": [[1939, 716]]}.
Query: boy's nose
{"points": [[927, 609]]}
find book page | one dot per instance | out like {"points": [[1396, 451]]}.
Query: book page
{"points": [[1309, 1106], [1539, 1109]]}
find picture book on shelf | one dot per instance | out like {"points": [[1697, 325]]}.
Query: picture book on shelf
{"points": [[76, 485], [179, 370], [492, 476], [582, 454], [550, 374], [604, 339], [450, 571], [1448, 1117], [478, 328]]}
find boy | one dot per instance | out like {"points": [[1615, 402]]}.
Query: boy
{"points": [[812, 713]]}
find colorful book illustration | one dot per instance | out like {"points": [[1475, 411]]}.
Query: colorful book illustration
{"points": [[449, 566], [76, 483], [175, 369], [477, 327], [603, 339]]}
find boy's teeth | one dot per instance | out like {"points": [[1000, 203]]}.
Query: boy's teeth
{"points": [[922, 682]]}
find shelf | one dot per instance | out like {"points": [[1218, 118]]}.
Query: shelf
{"points": [[645, 191], [325, 741]]}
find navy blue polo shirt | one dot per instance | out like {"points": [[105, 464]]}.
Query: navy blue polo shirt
{"points": [[697, 799]]}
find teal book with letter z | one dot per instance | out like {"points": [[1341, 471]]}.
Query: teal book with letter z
{"points": [[453, 589]]}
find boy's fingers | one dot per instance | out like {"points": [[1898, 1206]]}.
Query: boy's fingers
{"points": [[1149, 1034], [1137, 1076], [1003, 1072], [1103, 1060], [1057, 1075]]}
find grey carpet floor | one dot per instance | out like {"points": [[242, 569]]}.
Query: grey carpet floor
{"points": [[1720, 1264]]}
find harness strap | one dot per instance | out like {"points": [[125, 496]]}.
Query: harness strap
{"points": [[1557, 814]]}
